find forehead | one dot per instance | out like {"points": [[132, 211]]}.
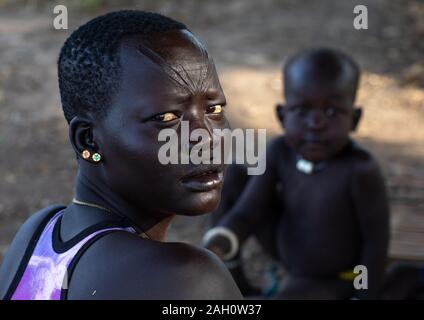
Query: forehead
{"points": [[305, 79], [174, 60]]}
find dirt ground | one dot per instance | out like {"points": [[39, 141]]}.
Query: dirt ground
{"points": [[249, 41]]}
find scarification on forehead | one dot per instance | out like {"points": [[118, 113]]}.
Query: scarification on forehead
{"points": [[190, 76]]}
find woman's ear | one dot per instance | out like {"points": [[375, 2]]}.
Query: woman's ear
{"points": [[357, 114], [280, 109], [81, 135]]}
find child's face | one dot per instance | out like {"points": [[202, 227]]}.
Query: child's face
{"points": [[318, 115], [176, 82]]}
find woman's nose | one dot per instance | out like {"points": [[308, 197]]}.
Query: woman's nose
{"points": [[200, 134]]}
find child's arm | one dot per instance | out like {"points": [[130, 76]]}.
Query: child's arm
{"points": [[253, 204], [236, 179], [371, 205]]}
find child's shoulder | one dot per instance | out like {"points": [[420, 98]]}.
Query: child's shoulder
{"points": [[358, 154], [278, 141], [278, 146], [278, 152], [362, 161]]}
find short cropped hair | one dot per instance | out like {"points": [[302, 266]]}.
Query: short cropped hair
{"points": [[88, 66], [328, 63]]}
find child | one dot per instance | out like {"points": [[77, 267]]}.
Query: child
{"points": [[123, 77], [327, 190]]}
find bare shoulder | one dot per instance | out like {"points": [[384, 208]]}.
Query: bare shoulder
{"points": [[363, 162], [278, 143], [368, 183], [278, 151], [124, 266], [201, 271]]}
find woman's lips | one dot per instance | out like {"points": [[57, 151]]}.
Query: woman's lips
{"points": [[203, 181]]}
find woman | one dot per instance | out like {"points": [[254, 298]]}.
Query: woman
{"points": [[123, 77]]}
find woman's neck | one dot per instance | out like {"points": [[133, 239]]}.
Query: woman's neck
{"points": [[92, 189]]}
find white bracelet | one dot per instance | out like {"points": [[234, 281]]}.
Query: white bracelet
{"points": [[227, 233]]}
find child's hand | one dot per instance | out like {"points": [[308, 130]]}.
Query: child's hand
{"points": [[219, 245], [218, 251]]}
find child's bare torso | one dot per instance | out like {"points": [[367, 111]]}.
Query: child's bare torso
{"points": [[317, 224], [318, 232]]}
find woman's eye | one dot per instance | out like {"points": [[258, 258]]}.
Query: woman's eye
{"points": [[216, 109], [166, 117]]}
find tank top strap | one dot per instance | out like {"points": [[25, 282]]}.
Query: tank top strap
{"points": [[47, 272]]}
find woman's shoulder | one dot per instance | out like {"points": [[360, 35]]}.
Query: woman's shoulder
{"points": [[22, 245], [122, 265]]}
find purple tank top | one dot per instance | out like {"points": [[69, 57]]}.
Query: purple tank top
{"points": [[45, 275]]}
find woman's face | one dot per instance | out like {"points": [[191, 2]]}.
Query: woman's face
{"points": [[165, 80]]}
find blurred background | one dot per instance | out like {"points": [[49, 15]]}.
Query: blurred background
{"points": [[249, 40]]}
